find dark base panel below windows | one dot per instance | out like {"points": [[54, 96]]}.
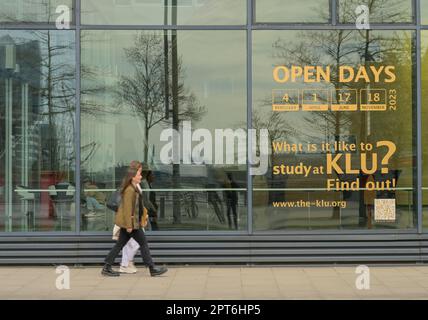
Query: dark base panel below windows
{"points": [[239, 249]]}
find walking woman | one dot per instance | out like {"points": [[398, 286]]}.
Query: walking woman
{"points": [[130, 219], [131, 248]]}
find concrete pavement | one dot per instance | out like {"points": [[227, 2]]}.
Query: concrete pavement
{"points": [[218, 282]]}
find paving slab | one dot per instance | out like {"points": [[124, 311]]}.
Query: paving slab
{"points": [[218, 283]]}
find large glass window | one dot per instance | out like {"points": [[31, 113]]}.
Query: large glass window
{"points": [[37, 109], [424, 11], [155, 12], [339, 109], [378, 11], [303, 11], [136, 85], [43, 11], [339, 106]]}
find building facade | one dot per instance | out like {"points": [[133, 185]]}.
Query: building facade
{"points": [[275, 131]]}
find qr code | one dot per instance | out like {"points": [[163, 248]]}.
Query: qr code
{"points": [[384, 210]]}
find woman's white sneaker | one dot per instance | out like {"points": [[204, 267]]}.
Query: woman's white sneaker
{"points": [[127, 269], [132, 266]]}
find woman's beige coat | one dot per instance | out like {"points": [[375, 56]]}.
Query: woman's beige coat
{"points": [[127, 215]]}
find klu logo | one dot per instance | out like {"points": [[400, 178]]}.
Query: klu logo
{"points": [[363, 280], [63, 280]]}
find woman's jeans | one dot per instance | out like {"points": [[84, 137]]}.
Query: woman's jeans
{"points": [[139, 236]]}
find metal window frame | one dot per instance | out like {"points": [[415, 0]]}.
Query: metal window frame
{"points": [[250, 19], [419, 204], [77, 120], [250, 25]]}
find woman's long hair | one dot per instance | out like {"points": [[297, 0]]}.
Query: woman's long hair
{"points": [[132, 171]]}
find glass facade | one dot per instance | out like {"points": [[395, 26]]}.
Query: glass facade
{"points": [[341, 105], [379, 11], [37, 131], [345, 121], [121, 123], [424, 12], [164, 12], [36, 11], [305, 11]]}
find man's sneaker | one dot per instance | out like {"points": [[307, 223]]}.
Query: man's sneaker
{"points": [[127, 269], [132, 266], [108, 271], [157, 271]]}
